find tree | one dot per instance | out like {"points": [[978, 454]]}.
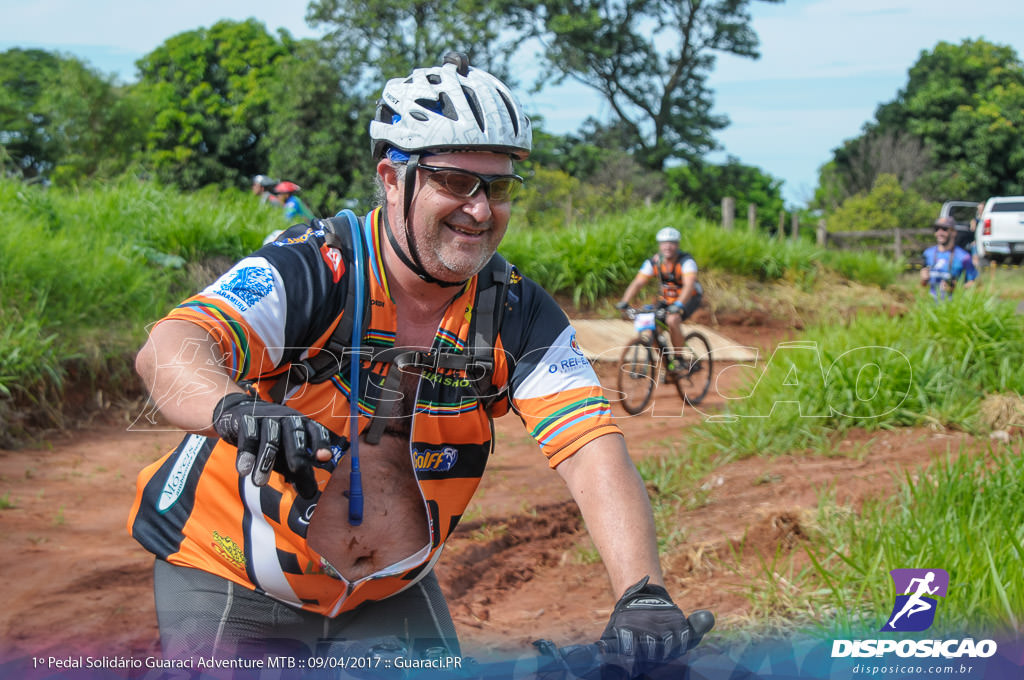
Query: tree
{"points": [[886, 206], [99, 125], [650, 60], [964, 105], [317, 131], [387, 39], [210, 88], [859, 161], [26, 138], [60, 119], [704, 185]]}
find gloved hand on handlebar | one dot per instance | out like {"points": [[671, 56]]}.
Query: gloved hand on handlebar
{"points": [[675, 308], [621, 304], [649, 627], [262, 431]]}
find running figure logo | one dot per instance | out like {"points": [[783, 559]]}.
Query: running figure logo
{"points": [[914, 609]]}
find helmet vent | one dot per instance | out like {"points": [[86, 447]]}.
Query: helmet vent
{"points": [[419, 115], [511, 111], [434, 79], [474, 106]]}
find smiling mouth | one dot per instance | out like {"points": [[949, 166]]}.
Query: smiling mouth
{"points": [[465, 231]]}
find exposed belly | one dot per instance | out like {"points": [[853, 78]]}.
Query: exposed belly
{"points": [[394, 520]]}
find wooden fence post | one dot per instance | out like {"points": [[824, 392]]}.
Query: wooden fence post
{"points": [[897, 245], [781, 233], [795, 225], [822, 238], [751, 217], [728, 212]]}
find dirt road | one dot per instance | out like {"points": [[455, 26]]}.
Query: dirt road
{"points": [[517, 569]]}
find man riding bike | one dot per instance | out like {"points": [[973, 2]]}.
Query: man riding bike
{"points": [[680, 293], [262, 529]]}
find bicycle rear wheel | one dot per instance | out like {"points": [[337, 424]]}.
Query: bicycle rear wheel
{"points": [[693, 368], [638, 376]]}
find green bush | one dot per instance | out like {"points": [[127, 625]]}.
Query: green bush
{"points": [[886, 206]]}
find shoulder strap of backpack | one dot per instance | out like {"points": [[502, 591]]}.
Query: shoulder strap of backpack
{"points": [[324, 364]]}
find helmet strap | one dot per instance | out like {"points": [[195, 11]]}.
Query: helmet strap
{"points": [[412, 260]]}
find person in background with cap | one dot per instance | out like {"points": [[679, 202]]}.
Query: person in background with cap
{"points": [[294, 208], [263, 187], [945, 263], [680, 293]]}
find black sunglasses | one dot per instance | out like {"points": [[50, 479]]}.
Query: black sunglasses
{"points": [[465, 183]]}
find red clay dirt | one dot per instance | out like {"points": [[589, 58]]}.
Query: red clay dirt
{"points": [[516, 569]]}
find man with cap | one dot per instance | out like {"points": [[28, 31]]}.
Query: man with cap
{"points": [[945, 263], [263, 187]]}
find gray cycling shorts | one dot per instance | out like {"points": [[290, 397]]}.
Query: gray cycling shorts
{"points": [[201, 614]]}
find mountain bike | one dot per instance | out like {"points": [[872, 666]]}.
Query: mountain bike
{"points": [[650, 359]]}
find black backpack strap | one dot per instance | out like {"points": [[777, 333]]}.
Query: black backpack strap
{"points": [[329, 359], [490, 305]]}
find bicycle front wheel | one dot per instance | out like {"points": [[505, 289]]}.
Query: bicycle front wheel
{"points": [[693, 367], [638, 376]]}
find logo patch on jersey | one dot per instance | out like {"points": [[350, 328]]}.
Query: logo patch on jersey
{"points": [[301, 238], [246, 286], [332, 256], [574, 346], [228, 549], [436, 460], [178, 476]]}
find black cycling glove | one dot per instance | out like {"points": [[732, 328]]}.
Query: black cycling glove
{"points": [[649, 627], [262, 430]]}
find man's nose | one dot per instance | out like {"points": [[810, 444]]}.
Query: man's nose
{"points": [[478, 206]]}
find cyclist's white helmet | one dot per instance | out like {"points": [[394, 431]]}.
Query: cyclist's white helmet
{"points": [[668, 234], [450, 107]]}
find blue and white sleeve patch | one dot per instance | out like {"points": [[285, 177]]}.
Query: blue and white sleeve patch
{"points": [[256, 290], [559, 367]]}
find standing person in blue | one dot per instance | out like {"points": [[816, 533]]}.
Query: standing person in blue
{"points": [[294, 208], [261, 527], [946, 264]]}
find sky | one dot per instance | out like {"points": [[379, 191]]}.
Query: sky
{"points": [[825, 65]]}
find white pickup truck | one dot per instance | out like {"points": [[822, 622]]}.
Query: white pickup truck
{"points": [[1000, 235]]}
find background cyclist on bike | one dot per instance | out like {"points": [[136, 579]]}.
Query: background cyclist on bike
{"points": [[680, 292]]}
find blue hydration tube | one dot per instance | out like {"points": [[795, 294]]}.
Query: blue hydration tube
{"points": [[355, 487]]}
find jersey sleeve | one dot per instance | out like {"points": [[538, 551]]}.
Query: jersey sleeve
{"points": [[271, 306], [647, 269], [553, 388], [690, 266]]}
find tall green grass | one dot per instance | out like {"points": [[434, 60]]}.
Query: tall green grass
{"points": [[929, 366], [962, 514], [82, 272], [599, 259]]}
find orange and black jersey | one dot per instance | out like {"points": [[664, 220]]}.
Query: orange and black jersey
{"points": [[281, 304], [670, 274]]}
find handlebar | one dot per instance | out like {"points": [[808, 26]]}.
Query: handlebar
{"points": [[659, 311]]}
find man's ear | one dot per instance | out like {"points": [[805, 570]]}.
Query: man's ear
{"points": [[389, 176]]}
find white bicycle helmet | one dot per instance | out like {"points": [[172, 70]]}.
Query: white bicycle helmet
{"points": [[668, 234], [450, 107]]}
